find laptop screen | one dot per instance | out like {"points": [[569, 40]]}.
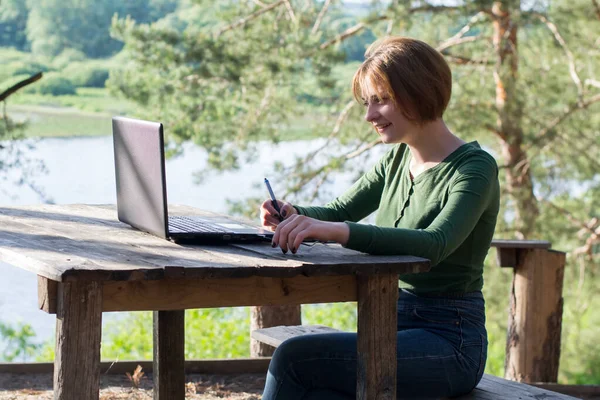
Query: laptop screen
{"points": [[140, 174]]}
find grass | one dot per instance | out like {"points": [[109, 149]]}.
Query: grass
{"points": [[53, 122], [87, 100], [86, 114]]}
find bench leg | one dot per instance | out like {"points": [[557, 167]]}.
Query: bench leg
{"points": [[169, 357], [78, 334], [377, 325]]}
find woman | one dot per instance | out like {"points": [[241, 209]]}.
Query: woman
{"points": [[436, 197]]}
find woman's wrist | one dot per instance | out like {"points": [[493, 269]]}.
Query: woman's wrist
{"points": [[341, 233]]}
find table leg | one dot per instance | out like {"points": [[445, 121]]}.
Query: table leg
{"points": [[78, 334], [377, 325], [169, 357]]}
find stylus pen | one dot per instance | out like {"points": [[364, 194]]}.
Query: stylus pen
{"points": [[273, 199]]}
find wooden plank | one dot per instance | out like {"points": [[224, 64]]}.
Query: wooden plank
{"points": [[507, 257], [583, 391], [263, 317], [341, 260], [47, 294], [275, 335], [521, 244], [169, 357], [78, 333], [120, 367], [535, 317], [178, 294], [77, 249], [495, 388], [377, 325], [77, 242]]}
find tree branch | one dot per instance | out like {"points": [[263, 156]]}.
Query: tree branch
{"points": [[597, 8], [460, 60], [496, 132], [290, 11], [336, 129], [20, 85], [561, 41], [592, 82], [364, 149], [580, 105], [320, 17], [254, 15], [458, 38], [455, 42], [361, 25], [592, 228], [347, 33]]}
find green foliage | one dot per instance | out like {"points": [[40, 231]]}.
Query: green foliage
{"points": [[19, 344], [55, 85], [28, 68], [340, 316], [13, 20], [87, 75], [209, 333], [54, 26], [197, 79], [67, 57]]}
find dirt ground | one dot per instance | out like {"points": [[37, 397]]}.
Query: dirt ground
{"points": [[117, 387]]}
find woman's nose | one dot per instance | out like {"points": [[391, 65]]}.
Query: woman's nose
{"points": [[371, 113]]}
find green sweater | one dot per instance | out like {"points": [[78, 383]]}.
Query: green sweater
{"points": [[446, 214]]}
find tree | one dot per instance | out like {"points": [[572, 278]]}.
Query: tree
{"points": [[13, 20], [233, 82], [56, 25], [13, 152], [525, 86]]}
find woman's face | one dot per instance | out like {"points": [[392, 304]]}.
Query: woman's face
{"points": [[389, 122]]}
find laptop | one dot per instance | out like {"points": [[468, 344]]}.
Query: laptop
{"points": [[142, 191]]}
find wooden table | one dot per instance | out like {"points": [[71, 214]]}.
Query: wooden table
{"points": [[88, 262]]}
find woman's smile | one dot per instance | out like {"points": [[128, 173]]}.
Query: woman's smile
{"points": [[381, 127]]}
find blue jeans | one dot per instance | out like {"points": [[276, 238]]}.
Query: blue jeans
{"points": [[442, 350]]}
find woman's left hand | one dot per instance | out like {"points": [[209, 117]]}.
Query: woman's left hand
{"points": [[291, 232]]}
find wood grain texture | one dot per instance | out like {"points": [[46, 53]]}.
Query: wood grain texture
{"points": [[169, 357], [495, 388], [507, 257], [47, 294], [276, 335], [521, 244], [535, 317], [82, 242], [78, 333], [377, 324], [177, 294], [270, 316]]}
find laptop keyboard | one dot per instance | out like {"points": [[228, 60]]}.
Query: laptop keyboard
{"points": [[189, 224]]}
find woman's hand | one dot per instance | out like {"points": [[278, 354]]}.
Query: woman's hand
{"points": [[270, 218], [293, 230]]}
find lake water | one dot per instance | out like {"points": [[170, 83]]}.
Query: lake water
{"points": [[81, 170]]}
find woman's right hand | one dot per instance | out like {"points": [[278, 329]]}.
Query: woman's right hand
{"points": [[270, 218]]}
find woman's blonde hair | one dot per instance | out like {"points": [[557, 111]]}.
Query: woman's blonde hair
{"points": [[410, 72]]}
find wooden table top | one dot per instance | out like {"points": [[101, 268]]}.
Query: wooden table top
{"points": [[87, 242]]}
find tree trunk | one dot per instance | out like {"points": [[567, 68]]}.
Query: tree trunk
{"points": [[267, 317], [509, 123]]}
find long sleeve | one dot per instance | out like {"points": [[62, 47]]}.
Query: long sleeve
{"points": [[470, 193], [361, 199]]}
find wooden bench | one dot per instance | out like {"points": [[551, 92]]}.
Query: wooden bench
{"points": [[490, 388]]}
